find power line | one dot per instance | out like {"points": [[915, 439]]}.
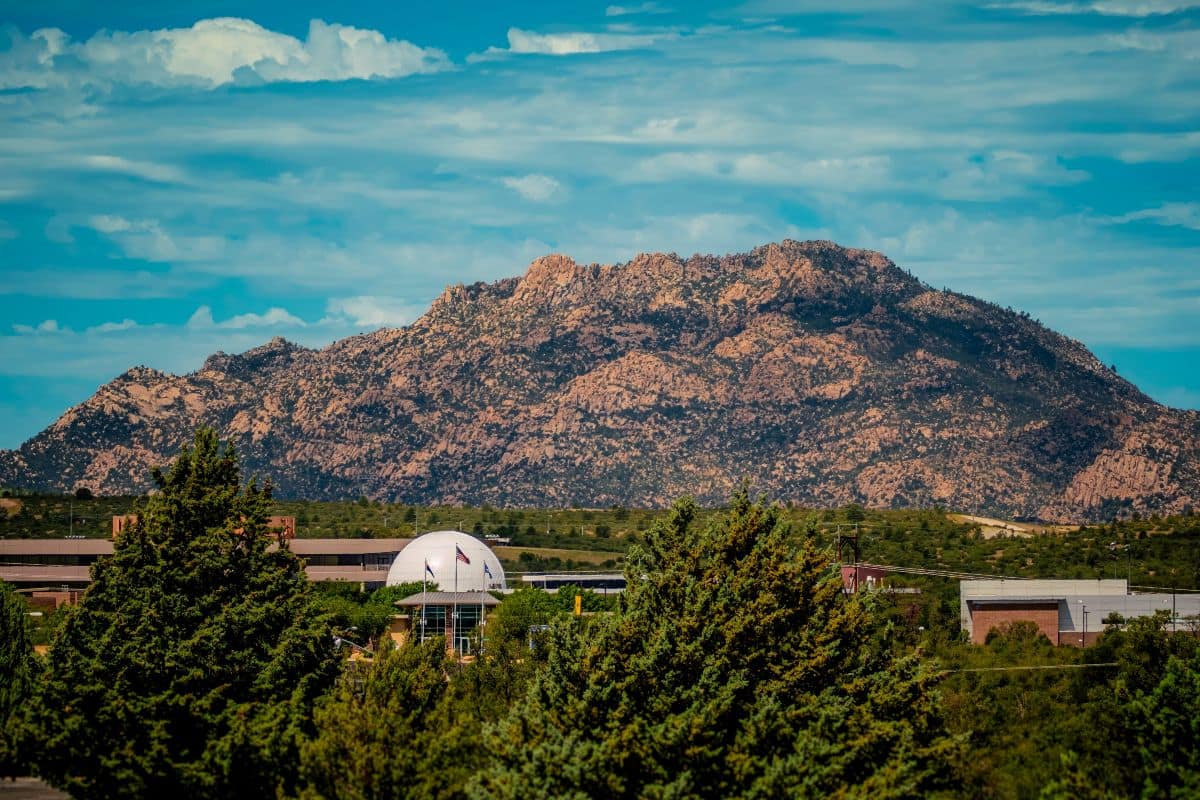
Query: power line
{"points": [[1039, 666]]}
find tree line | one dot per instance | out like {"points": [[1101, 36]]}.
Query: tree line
{"points": [[202, 664]]}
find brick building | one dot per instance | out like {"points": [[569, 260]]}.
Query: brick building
{"points": [[1068, 612]]}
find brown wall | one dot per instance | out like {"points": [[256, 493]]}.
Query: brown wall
{"points": [[994, 615]]}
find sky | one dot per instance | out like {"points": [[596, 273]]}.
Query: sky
{"points": [[182, 178]]}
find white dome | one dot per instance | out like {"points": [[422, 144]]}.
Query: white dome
{"points": [[437, 550]]}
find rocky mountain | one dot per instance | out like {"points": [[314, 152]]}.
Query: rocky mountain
{"points": [[822, 374]]}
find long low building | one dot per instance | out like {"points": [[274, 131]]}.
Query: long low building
{"points": [[58, 563], [1068, 612]]}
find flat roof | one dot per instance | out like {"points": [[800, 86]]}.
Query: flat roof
{"points": [[568, 577], [311, 547], [37, 573], [103, 547], [1014, 600], [448, 599], [55, 547]]}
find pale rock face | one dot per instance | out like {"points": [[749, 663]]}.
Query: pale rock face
{"points": [[822, 374]]}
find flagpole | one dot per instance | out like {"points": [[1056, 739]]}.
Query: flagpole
{"points": [[424, 578], [454, 625]]}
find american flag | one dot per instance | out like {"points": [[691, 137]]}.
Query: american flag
{"points": [[460, 555]]}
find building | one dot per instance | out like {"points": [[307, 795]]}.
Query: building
{"points": [[56, 564], [600, 582], [458, 573], [281, 526], [458, 616], [861, 576], [1068, 612]]}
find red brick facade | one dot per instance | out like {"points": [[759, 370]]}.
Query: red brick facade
{"points": [[1044, 614]]}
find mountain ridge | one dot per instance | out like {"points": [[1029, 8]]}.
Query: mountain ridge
{"points": [[823, 374]]}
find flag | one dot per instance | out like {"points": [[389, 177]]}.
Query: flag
{"points": [[429, 570], [487, 571], [460, 555]]}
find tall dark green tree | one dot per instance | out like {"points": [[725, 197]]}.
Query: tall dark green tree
{"points": [[736, 668], [18, 671], [192, 663]]}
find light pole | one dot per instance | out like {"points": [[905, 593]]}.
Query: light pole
{"points": [[1083, 638]]}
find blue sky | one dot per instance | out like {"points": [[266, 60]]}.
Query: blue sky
{"points": [[177, 179]]}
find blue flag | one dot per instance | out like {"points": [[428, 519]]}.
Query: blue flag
{"points": [[487, 571], [429, 570]]}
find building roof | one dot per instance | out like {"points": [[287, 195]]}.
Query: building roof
{"points": [[102, 547], [310, 547], [572, 577], [1013, 599], [55, 547], [50, 575], [448, 599]]}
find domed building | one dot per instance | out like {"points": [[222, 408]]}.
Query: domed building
{"points": [[478, 570], [457, 572]]}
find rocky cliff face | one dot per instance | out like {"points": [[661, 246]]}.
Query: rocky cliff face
{"points": [[822, 374]]}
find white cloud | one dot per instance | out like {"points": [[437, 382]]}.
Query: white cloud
{"points": [[374, 312], [113, 327], [565, 44], [201, 318], [147, 240], [109, 223], [648, 7], [1183, 215], [160, 173], [1107, 8], [47, 326], [535, 187], [273, 317], [211, 53], [843, 174]]}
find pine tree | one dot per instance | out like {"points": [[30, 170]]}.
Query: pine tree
{"points": [[375, 728], [735, 668], [18, 670], [191, 665]]}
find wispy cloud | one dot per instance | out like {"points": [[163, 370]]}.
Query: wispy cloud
{"points": [[1183, 215], [1110, 8], [522, 42], [369, 312], [211, 53], [641, 8]]}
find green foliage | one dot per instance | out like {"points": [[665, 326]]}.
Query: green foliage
{"points": [[19, 668], [376, 728], [1165, 725], [191, 665], [365, 615], [735, 668], [525, 607]]}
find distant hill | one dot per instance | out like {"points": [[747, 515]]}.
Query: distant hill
{"points": [[824, 375]]}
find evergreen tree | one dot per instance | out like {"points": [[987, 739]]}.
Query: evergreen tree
{"points": [[18, 671], [735, 668], [375, 728], [408, 725], [191, 665]]}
